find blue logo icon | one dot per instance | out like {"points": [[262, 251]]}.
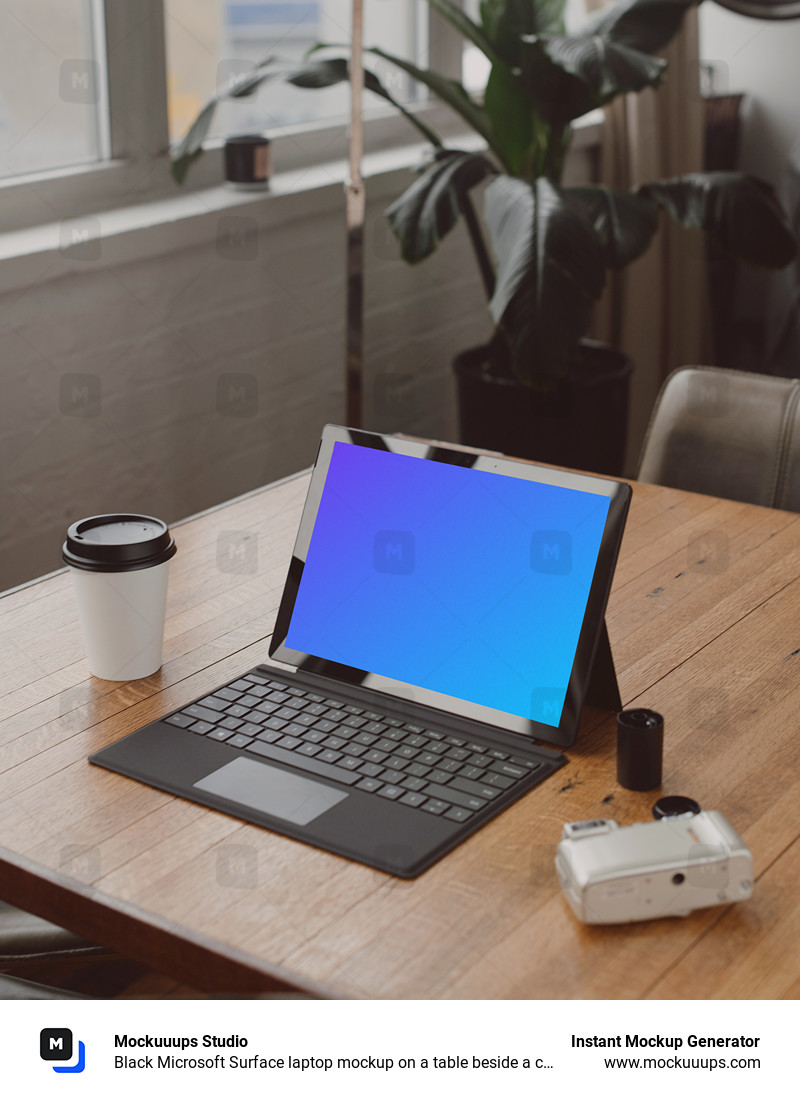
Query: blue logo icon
{"points": [[55, 1045], [551, 552], [393, 552]]}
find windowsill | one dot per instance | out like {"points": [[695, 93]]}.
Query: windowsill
{"points": [[137, 232]]}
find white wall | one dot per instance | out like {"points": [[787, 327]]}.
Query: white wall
{"points": [[116, 367]]}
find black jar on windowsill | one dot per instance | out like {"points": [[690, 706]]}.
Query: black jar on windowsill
{"points": [[248, 161]]}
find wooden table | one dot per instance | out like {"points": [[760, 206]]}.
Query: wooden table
{"points": [[704, 621]]}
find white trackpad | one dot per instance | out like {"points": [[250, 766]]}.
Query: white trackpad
{"points": [[271, 791]]}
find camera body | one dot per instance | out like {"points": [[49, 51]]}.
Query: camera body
{"points": [[666, 868]]}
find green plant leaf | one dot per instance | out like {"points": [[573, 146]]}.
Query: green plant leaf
{"points": [[457, 18], [506, 21], [607, 68], [451, 92], [558, 96], [741, 214], [190, 147], [514, 121], [430, 208], [550, 274], [336, 70], [646, 25], [625, 221]]}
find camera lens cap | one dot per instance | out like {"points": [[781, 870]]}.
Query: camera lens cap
{"points": [[675, 805]]}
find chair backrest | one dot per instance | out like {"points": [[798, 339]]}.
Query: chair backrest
{"points": [[726, 433]]}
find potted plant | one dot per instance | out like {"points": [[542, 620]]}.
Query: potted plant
{"points": [[538, 389]]}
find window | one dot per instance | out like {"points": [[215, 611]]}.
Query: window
{"points": [[93, 91], [210, 45], [53, 97]]}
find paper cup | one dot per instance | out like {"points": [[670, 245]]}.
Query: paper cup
{"points": [[120, 567]]}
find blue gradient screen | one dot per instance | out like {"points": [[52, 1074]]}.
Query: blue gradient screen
{"points": [[461, 581]]}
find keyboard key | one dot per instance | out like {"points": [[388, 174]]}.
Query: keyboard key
{"points": [[482, 790], [396, 762], [352, 710], [286, 713], [274, 723], [457, 741], [315, 765], [364, 739], [514, 771], [524, 762], [336, 715], [448, 765], [245, 685], [294, 730], [385, 746], [183, 721], [438, 748], [434, 806], [278, 696], [455, 798], [407, 753], [375, 727], [324, 725], [317, 709], [315, 698], [289, 742], [350, 762], [469, 771], [390, 792], [213, 703], [354, 721], [356, 750], [295, 691], [412, 783], [438, 776], [430, 759], [249, 700], [334, 743], [306, 719], [228, 693], [295, 703], [250, 729], [373, 716], [309, 749], [390, 775], [237, 710], [239, 742], [417, 769], [201, 727], [314, 737], [395, 735], [480, 760], [457, 754], [370, 770], [259, 691], [270, 736], [203, 713], [413, 798], [369, 784], [218, 734], [330, 756], [501, 781], [409, 728], [254, 678], [391, 721], [458, 813], [497, 755], [434, 736], [266, 706], [375, 757]]}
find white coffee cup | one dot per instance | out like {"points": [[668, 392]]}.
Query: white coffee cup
{"points": [[120, 568]]}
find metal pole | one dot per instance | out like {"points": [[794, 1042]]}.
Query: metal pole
{"points": [[356, 212]]}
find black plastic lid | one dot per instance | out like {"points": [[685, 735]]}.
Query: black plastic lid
{"points": [[675, 805], [117, 543]]}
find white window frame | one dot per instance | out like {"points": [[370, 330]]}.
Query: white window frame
{"points": [[131, 49]]}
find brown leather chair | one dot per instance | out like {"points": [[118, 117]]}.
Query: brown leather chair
{"points": [[28, 939], [726, 433], [18, 989]]}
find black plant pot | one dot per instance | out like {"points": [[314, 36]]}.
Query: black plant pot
{"points": [[581, 423]]}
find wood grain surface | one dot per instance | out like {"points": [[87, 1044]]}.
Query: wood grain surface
{"points": [[704, 621]]}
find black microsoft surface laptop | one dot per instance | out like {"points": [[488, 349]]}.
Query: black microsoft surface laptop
{"points": [[444, 612]]}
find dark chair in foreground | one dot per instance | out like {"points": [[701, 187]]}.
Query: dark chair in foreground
{"points": [[726, 433]]}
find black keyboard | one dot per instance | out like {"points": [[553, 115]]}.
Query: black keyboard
{"points": [[430, 771]]}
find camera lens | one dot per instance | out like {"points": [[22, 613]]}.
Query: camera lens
{"points": [[640, 744], [678, 879], [641, 719]]}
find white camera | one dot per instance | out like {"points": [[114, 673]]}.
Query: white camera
{"points": [[665, 868]]}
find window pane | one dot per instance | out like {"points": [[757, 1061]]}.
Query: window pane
{"points": [[210, 42], [52, 87]]}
